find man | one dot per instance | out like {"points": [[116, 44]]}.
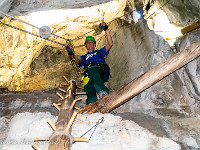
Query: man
{"points": [[94, 63]]}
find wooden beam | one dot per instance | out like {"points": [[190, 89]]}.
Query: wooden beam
{"points": [[74, 101], [191, 27], [81, 93], [55, 105], [52, 125], [70, 122], [81, 139], [42, 139], [136, 86], [61, 139], [36, 147], [62, 90], [66, 79], [60, 95]]}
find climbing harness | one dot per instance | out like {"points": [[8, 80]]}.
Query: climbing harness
{"points": [[95, 126], [106, 70]]}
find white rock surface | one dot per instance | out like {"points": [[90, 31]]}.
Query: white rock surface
{"points": [[24, 127], [5, 6], [113, 134]]}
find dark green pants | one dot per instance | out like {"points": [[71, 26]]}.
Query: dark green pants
{"points": [[95, 84]]}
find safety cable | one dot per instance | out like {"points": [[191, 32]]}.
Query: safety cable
{"points": [[158, 9], [74, 64], [52, 34], [95, 126], [98, 27], [60, 36], [29, 33], [118, 18], [29, 24]]}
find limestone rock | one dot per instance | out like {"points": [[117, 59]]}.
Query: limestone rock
{"points": [[181, 13], [113, 133]]}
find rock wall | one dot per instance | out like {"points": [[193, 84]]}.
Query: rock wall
{"points": [[136, 50], [175, 98], [30, 63], [181, 13], [24, 6]]}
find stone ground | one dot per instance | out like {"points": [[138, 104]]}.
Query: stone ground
{"points": [[170, 124]]}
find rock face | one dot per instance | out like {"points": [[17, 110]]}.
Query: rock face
{"points": [[117, 134], [144, 51], [5, 6], [181, 13], [28, 63], [25, 6]]}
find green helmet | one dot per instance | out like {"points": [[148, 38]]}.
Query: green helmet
{"points": [[90, 38]]}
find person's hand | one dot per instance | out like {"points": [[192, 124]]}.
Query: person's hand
{"points": [[103, 26], [70, 49]]}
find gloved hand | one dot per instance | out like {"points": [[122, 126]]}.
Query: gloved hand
{"points": [[69, 49], [103, 26]]}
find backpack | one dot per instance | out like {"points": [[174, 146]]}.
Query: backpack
{"points": [[106, 73]]}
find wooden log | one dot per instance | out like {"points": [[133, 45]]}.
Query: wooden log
{"points": [[61, 139], [74, 101], [191, 27], [42, 139], [55, 105], [81, 139], [60, 95], [52, 125], [35, 146], [62, 90], [66, 79], [136, 86], [71, 121], [64, 84], [81, 93]]}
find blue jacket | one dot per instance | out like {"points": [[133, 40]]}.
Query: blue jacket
{"points": [[96, 56]]}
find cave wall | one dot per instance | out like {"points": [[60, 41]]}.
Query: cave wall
{"points": [[181, 12], [138, 49], [29, 63]]}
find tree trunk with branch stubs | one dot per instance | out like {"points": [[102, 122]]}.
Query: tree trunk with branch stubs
{"points": [[136, 86], [61, 139]]}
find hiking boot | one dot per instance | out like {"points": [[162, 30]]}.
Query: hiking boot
{"points": [[102, 94]]}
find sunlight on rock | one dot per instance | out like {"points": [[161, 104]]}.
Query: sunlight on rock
{"points": [[161, 25]]}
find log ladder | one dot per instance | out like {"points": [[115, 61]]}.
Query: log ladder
{"points": [[61, 139]]}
